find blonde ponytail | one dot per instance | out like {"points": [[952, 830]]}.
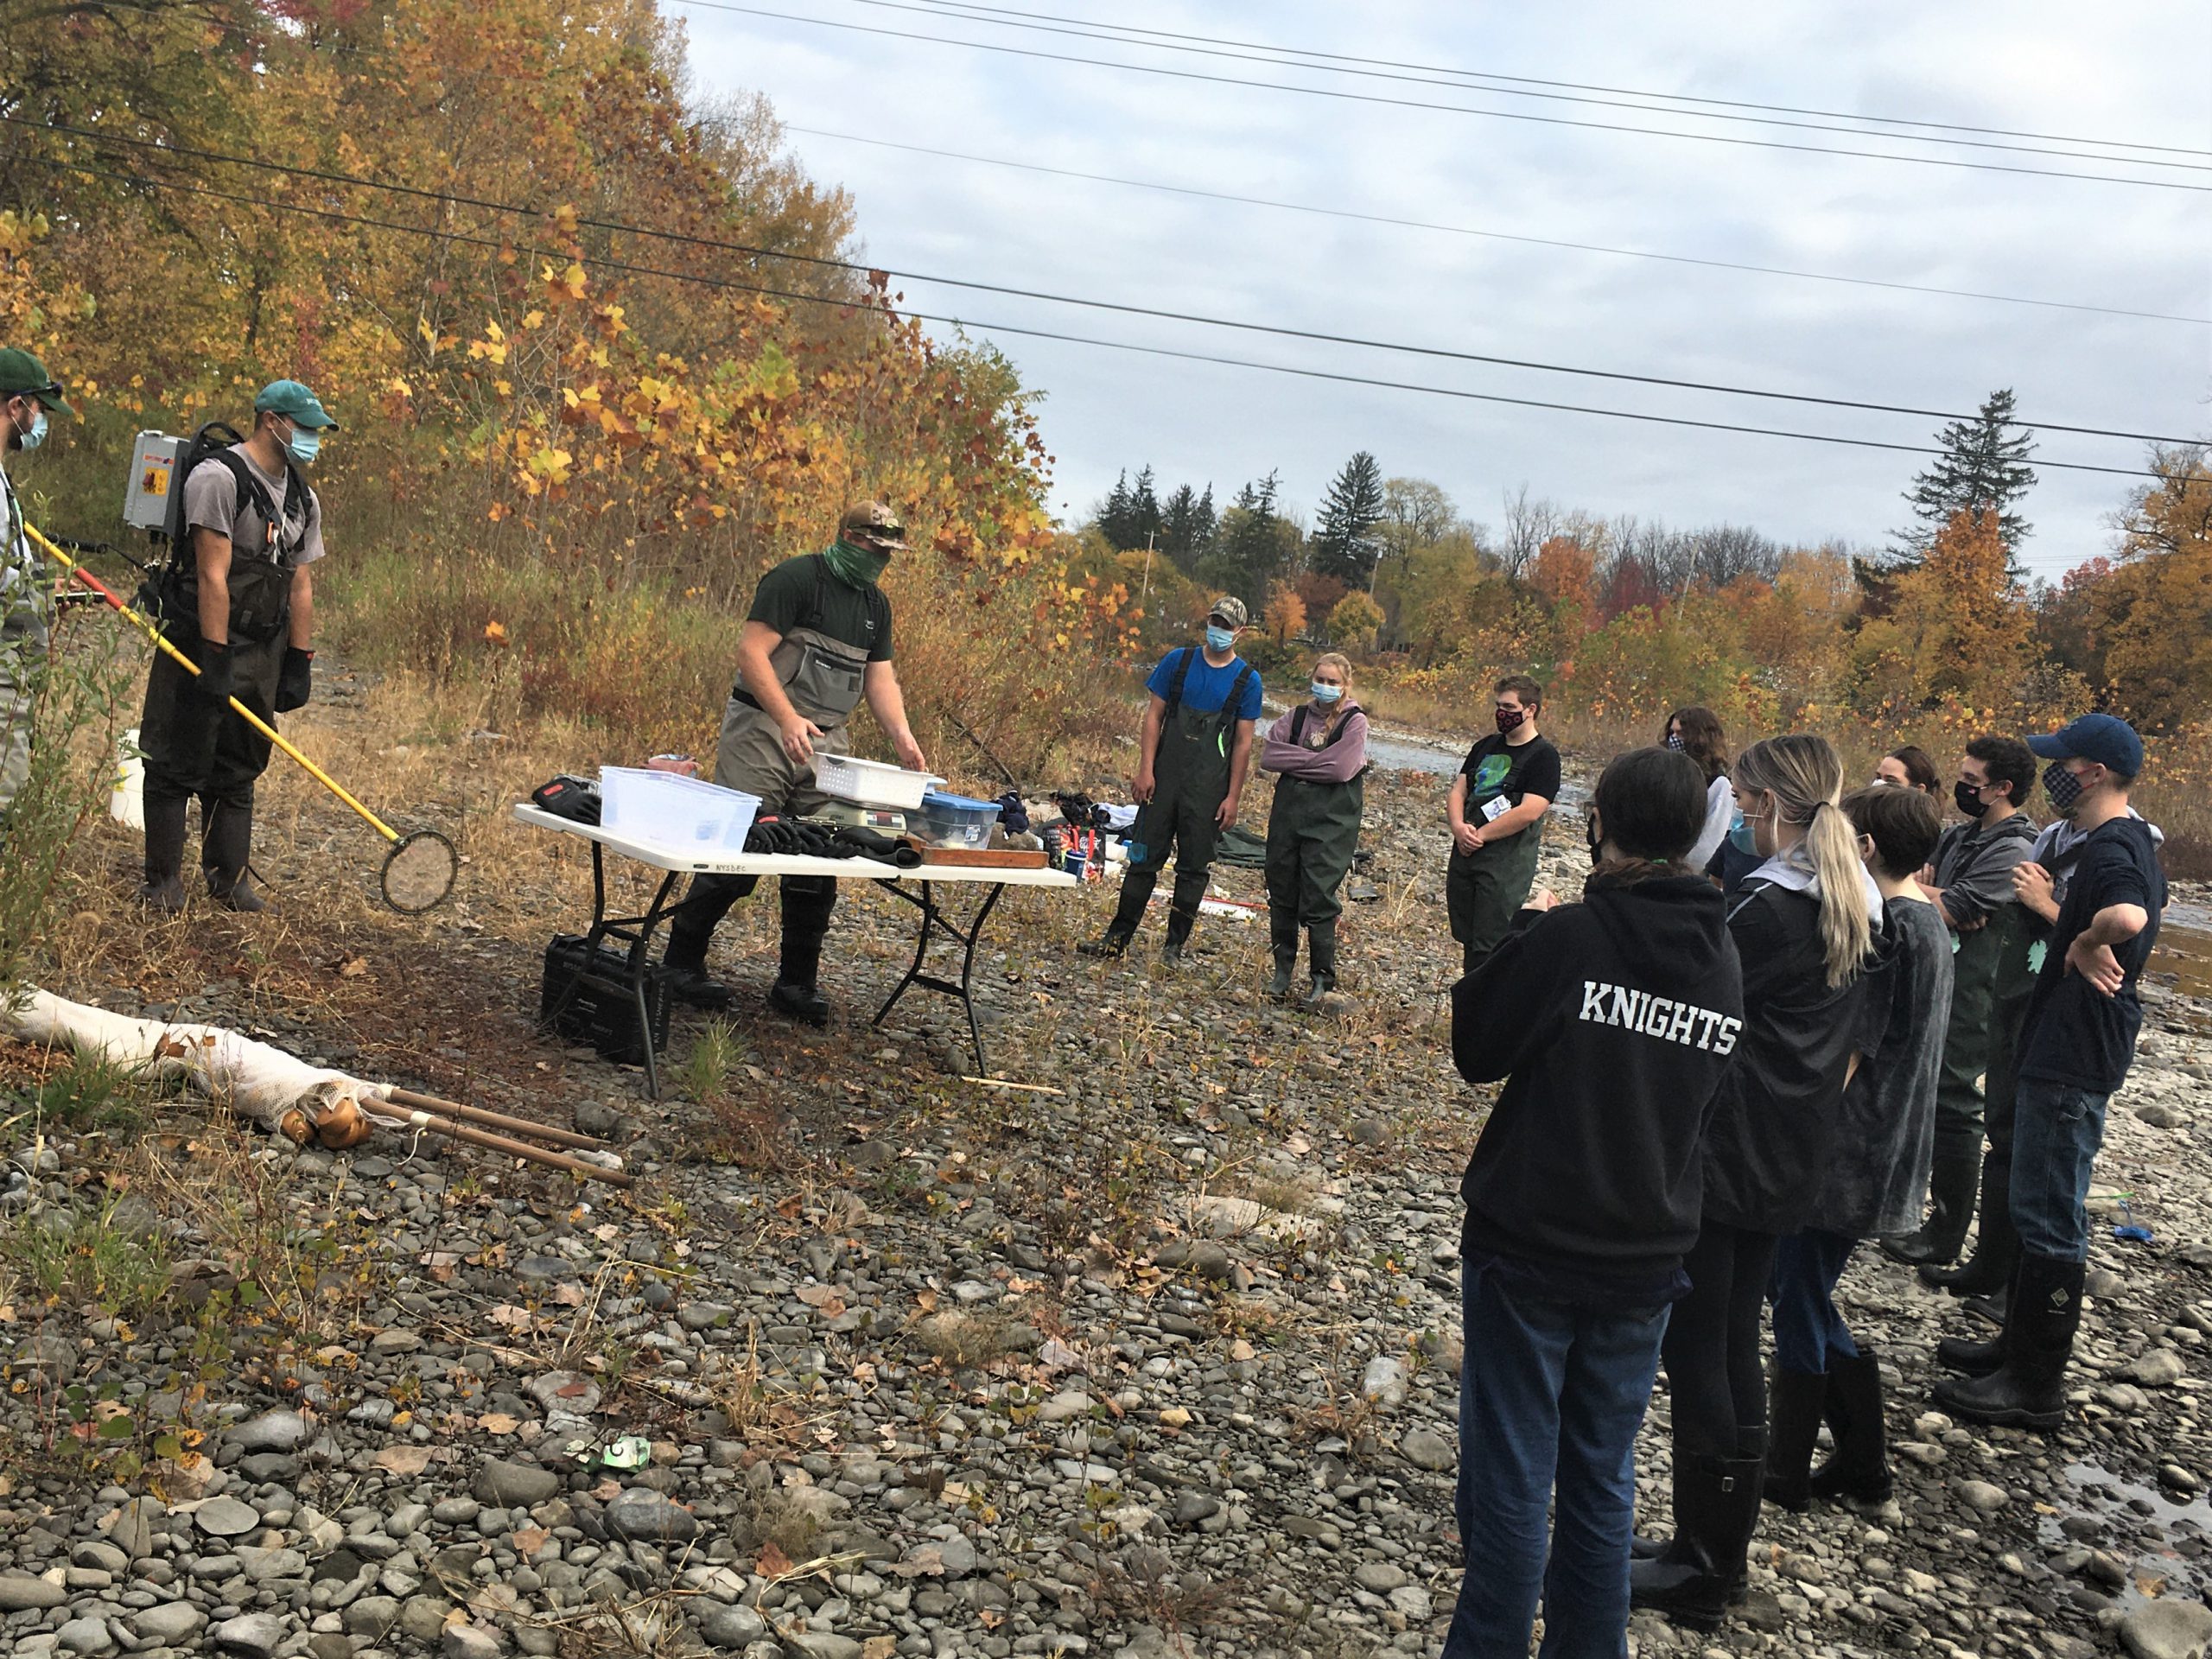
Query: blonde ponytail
{"points": [[1804, 776]]}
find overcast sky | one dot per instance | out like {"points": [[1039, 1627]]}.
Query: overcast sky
{"points": [[2123, 71]]}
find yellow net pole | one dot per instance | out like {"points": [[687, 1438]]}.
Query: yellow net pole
{"points": [[153, 632]]}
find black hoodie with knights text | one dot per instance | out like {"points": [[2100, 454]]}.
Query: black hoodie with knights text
{"points": [[1612, 1022]]}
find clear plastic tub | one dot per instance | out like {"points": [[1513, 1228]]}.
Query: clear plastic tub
{"points": [[665, 809], [953, 820], [870, 783]]}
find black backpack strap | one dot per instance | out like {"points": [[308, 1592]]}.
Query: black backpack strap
{"points": [[1298, 722], [1182, 675], [1236, 692]]}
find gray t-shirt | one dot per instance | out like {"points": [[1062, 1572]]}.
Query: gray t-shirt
{"points": [[210, 502]]}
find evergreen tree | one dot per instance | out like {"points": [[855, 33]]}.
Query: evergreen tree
{"points": [[1254, 546], [1983, 470], [1115, 517], [1144, 510], [1344, 545], [1187, 527]]}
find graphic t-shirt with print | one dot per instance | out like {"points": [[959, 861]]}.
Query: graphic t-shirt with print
{"points": [[1498, 771]]}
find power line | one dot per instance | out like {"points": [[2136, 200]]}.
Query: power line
{"points": [[1498, 236], [1158, 314], [956, 6], [1121, 34], [1340, 95], [433, 233]]}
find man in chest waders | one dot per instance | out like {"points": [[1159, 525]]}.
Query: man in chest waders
{"points": [[238, 598], [816, 642], [1192, 759]]}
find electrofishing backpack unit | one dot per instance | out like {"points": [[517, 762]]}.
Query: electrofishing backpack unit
{"points": [[261, 578]]}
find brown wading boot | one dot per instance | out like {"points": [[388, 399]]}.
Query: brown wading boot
{"points": [[163, 890], [2029, 1390]]}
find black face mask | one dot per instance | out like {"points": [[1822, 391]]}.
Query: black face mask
{"points": [[2063, 788], [1596, 840], [1968, 799]]}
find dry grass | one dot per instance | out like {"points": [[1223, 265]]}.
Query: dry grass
{"points": [[964, 1341]]}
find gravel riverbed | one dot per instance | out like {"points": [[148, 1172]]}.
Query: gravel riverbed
{"points": [[1155, 1357]]}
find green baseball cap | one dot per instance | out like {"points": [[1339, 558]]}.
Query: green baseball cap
{"points": [[22, 375], [290, 397]]}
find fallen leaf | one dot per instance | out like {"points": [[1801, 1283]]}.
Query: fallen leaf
{"points": [[515, 1319], [567, 1296], [403, 1459], [353, 967], [773, 1563], [879, 1647], [498, 1422], [530, 1540]]}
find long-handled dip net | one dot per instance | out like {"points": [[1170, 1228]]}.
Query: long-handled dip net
{"points": [[419, 869]]}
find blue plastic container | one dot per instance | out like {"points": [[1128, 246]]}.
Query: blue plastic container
{"points": [[953, 820]]}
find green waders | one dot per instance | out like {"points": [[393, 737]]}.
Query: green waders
{"points": [[1996, 1248], [1484, 889], [1955, 1170], [1313, 829], [1190, 780]]}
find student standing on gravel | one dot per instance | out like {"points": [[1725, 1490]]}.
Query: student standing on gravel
{"points": [[1192, 758], [1612, 1022], [1803, 925], [1697, 731], [1876, 1180], [2076, 1045], [815, 643], [27, 392], [1496, 813], [239, 601], [1319, 753], [1970, 880]]}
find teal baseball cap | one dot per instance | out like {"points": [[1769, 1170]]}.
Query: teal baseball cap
{"points": [[289, 397]]}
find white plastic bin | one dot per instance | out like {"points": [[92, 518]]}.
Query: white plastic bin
{"points": [[870, 783], [665, 809]]}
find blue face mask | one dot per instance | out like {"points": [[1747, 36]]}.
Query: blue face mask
{"points": [[1219, 638], [36, 435], [1741, 837], [304, 444], [1324, 692]]}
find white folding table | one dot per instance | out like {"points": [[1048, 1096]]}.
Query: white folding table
{"points": [[914, 885]]}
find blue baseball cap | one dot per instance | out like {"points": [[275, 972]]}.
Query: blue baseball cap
{"points": [[289, 397], [2106, 739]]}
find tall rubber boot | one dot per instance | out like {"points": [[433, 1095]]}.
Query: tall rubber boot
{"points": [[1704, 1569], [1180, 920], [1952, 1182], [225, 847], [1971, 1359], [1282, 943], [1996, 1248], [1136, 893], [1795, 1404], [1321, 946], [1859, 1470], [807, 904], [166, 822], [2029, 1390]]}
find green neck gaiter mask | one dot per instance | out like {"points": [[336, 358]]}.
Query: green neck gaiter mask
{"points": [[856, 567]]}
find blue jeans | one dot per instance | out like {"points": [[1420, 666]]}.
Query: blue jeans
{"points": [[1807, 1331], [1548, 1393], [2057, 1132]]}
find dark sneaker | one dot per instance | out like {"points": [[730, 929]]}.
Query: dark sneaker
{"points": [[691, 987], [804, 1003]]}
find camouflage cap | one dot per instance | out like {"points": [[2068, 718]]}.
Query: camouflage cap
{"points": [[1230, 609], [874, 523]]}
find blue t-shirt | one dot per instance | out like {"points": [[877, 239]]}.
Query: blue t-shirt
{"points": [[1207, 687], [2074, 1034]]}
